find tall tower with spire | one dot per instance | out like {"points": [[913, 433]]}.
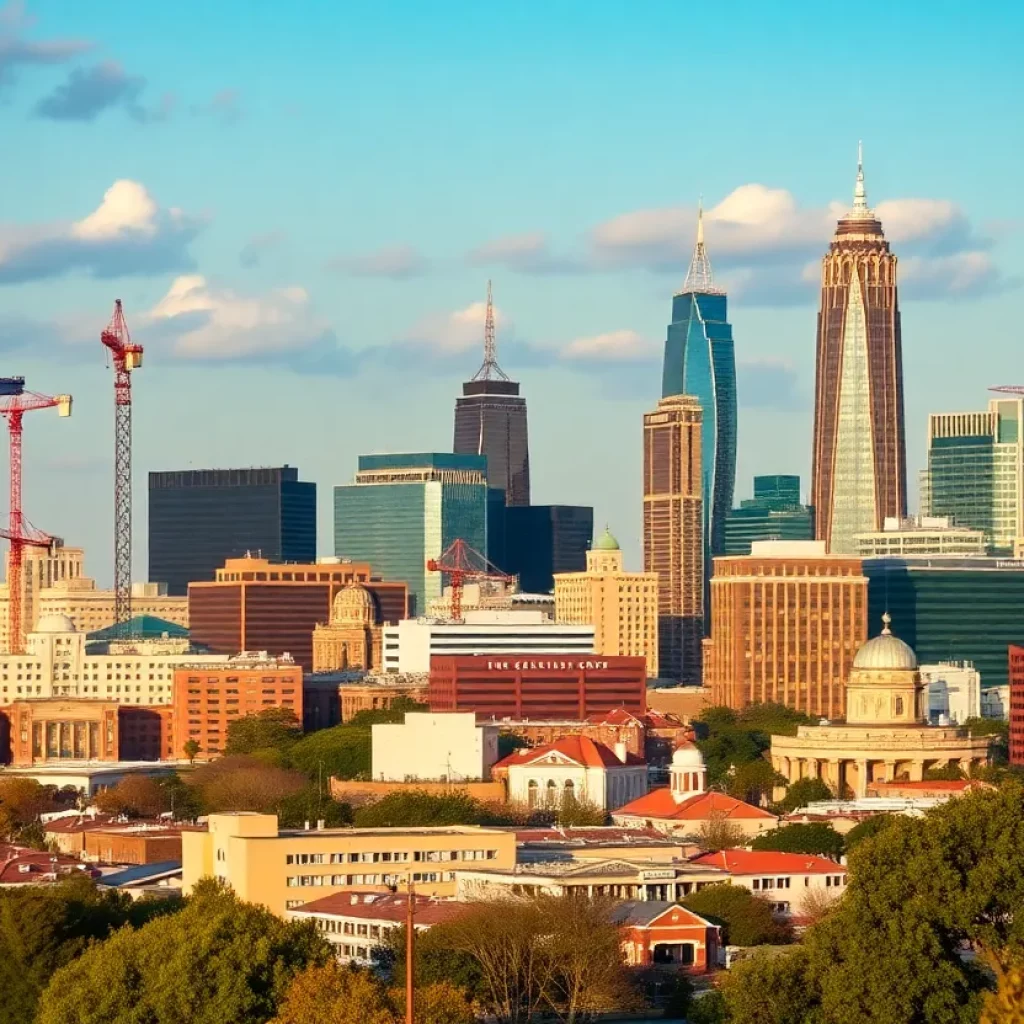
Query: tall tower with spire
{"points": [[859, 464], [490, 419], [700, 360]]}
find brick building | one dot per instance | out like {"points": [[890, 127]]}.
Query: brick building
{"points": [[258, 605], [132, 844], [1016, 672], [519, 686], [657, 932]]}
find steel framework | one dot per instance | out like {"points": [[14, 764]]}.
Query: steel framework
{"points": [[489, 369], [461, 562], [126, 358]]}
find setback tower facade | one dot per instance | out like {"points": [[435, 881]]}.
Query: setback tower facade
{"points": [[859, 465], [490, 419]]}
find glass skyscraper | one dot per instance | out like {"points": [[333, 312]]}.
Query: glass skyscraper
{"points": [[700, 360], [774, 513], [405, 509]]}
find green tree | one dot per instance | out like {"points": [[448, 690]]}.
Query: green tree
{"points": [[947, 773], [509, 743], [312, 804], [413, 808], [387, 716], [709, 1008], [770, 719], [216, 961], [769, 988], [866, 829], [816, 838], [271, 729], [746, 919], [241, 783], [42, 928], [719, 833], [576, 813], [137, 796], [804, 792], [754, 781], [341, 752], [190, 749], [437, 1003], [436, 958]]}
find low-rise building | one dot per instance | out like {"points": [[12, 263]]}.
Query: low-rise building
{"points": [[954, 692], [89, 777], [995, 702], [330, 698], [284, 868], [437, 747], [573, 768], [133, 844], [662, 933], [21, 865]]}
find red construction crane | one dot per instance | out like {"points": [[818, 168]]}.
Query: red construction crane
{"points": [[461, 563], [127, 357], [15, 401]]}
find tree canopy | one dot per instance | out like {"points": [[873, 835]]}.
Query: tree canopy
{"points": [[417, 807], [270, 729], [804, 792], [815, 837], [866, 829], [137, 796], [21, 803], [746, 919], [387, 716], [343, 751]]}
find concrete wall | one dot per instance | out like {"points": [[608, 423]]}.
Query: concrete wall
{"points": [[436, 746]]}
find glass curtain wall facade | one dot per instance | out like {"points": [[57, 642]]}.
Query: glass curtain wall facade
{"points": [[774, 513], [403, 510], [541, 540]]}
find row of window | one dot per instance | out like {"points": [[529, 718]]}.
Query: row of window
{"points": [[345, 880], [389, 857]]}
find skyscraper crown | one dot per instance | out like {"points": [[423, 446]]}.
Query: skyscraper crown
{"points": [[700, 278], [861, 210], [489, 369]]}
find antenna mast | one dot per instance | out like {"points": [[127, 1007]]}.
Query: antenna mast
{"points": [[490, 370]]}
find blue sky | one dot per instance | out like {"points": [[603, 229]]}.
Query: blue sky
{"points": [[300, 206]]}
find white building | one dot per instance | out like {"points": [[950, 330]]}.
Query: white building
{"points": [[437, 747], [920, 535], [577, 767], [409, 645], [995, 702], [56, 664], [954, 692]]}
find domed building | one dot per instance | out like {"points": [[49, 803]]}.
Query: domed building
{"points": [[885, 737], [352, 638]]}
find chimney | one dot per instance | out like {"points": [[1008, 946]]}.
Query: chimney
{"points": [[621, 752]]}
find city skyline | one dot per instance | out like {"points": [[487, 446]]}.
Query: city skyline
{"points": [[373, 272]]}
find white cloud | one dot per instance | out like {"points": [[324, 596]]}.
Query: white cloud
{"points": [[623, 346], [210, 323], [958, 274], [455, 332], [908, 220], [126, 207]]}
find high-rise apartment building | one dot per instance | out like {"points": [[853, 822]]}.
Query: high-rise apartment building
{"points": [[403, 510], [490, 419], [673, 532], [975, 471], [700, 360], [543, 540], [859, 463], [786, 622], [774, 513], [200, 517], [622, 606]]}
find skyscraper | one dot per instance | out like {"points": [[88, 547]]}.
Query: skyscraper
{"points": [[700, 360], [490, 419], [859, 465], [200, 517], [405, 509], [673, 532], [541, 540], [774, 513]]}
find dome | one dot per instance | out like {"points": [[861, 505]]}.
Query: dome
{"points": [[687, 756], [55, 624], [606, 542], [354, 604], [886, 652]]}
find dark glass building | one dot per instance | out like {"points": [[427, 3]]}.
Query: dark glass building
{"points": [[700, 360], [951, 609], [490, 419], [541, 540], [200, 517], [774, 513]]}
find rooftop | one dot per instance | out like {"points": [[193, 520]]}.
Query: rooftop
{"points": [[758, 862], [141, 627], [660, 804], [373, 906], [579, 750]]}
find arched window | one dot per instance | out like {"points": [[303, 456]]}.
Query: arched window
{"points": [[569, 787], [531, 793], [552, 793]]}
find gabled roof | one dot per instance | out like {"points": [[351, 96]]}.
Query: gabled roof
{"points": [[768, 862], [579, 750], [660, 804], [649, 912], [617, 716]]}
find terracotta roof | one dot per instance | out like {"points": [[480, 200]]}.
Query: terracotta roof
{"points": [[373, 906], [617, 716], [769, 862], [78, 823], [21, 865], [647, 912], [661, 804], [580, 749]]}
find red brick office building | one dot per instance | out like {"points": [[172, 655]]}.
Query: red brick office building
{"points": [[1016, 674]]}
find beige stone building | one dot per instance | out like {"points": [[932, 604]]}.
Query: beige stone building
{"points": [[622, 606], [352, 638], [54, 583], [885, 737], [284, 868]]}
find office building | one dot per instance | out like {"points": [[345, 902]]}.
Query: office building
{"points": [[404, 510], [953, 691], [700, 360], [674, 547], [543, 540], [859, 462], [411, 645], [446, 747], [254, 604], [920, 535], [284, 868], [519, 686], [330, 698], [490, 420], [208, 698], [886, 736], [621, 606], [774, 513], [1015, 672], [786, 622], [951, 609], [995, 702], [975, 471], [200, 517]]}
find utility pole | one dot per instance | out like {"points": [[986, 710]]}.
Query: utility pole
{"points": [[410, 951]]}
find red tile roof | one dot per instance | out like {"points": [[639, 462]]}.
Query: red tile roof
{"points": [[768, 862], [617, 716], [373, 906], [661, 804], [579, 749], [20, 865]]}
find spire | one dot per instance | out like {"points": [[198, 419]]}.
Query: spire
{"points": [[490, 369], [860, 211], [700, 278], [886, 620]]}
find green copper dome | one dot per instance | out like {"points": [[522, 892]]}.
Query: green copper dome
{"points": [[606, 542]]}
